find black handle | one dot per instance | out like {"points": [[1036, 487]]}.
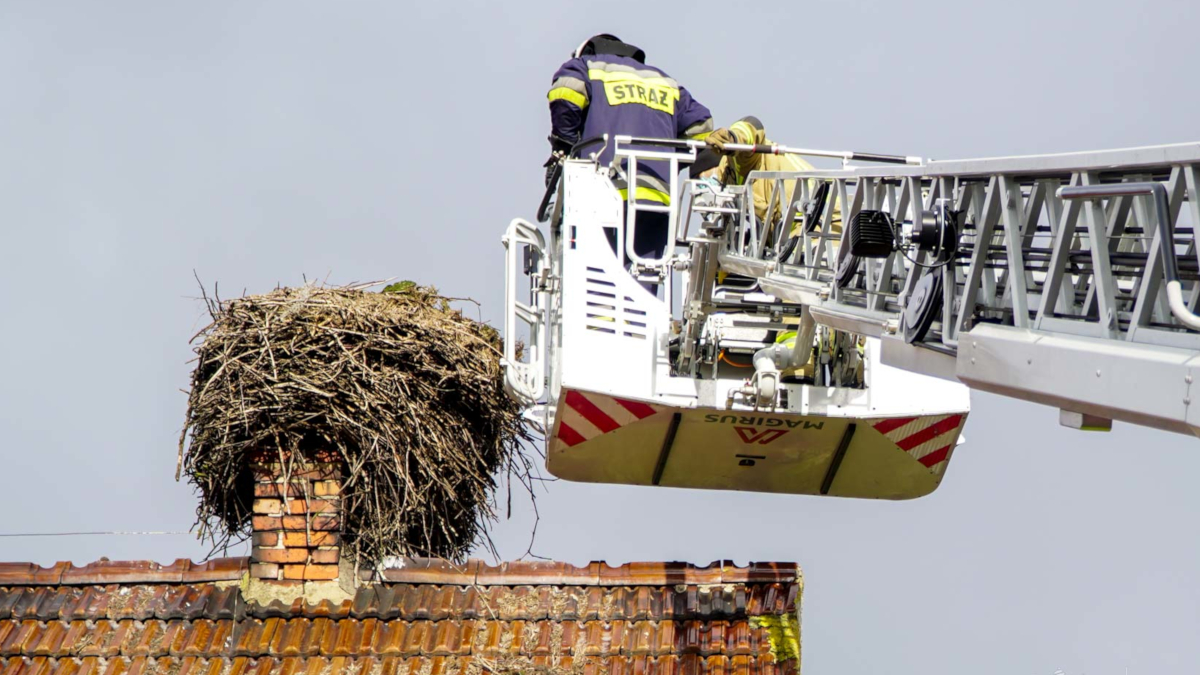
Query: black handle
{"points": [[662, 142], [884, 159]]}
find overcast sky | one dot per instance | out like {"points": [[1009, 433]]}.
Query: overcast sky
{"points": [[256, 143]]}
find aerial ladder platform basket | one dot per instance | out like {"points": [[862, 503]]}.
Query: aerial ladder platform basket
{"points": [[828, 345]]}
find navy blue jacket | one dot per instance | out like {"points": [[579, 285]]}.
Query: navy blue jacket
{"points": [[608, 94]]}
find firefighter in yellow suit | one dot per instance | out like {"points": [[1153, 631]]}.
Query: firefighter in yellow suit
{"points": [[734, 168]]}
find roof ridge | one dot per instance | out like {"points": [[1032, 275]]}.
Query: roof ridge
{"points": [[105, 571], [413, 571], [534, 572]]}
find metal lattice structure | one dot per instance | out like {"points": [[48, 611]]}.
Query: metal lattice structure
{"points": [[1056, 294]]}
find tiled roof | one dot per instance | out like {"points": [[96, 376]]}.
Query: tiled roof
{"points": [[427, 618]]}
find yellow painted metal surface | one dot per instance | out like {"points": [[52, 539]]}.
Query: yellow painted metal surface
{"points": [[595, 441]]}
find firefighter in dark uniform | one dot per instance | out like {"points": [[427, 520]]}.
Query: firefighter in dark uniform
{"points": [[607, 88]]}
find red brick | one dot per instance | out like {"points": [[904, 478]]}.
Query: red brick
{"points": [[316, 472], [271, 507], [315, 523], [325, 555], [264, 571], [297, 539], [325, 523], [326, 456], [320, 572], [280, 555], [301, 506], [265, 539], [278, 489], [266, 472], [263, 523], [295, 523], [293, 572], [327, 488]]}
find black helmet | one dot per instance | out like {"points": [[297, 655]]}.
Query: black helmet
{"points": [[606, 43]]}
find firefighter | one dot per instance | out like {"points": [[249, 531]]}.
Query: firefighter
{"points": [[734, 169], [607, 88]]}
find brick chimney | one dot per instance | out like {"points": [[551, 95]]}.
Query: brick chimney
{"points": [[296, 519]]}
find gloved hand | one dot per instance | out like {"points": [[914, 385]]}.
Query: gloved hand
{"points": [[551, 166], [717, 139]]}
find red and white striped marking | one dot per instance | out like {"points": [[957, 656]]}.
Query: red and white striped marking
{"points": [[586, 416], [929, 440]]}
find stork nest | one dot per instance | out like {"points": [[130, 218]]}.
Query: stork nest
{"points": [[404, 388]]}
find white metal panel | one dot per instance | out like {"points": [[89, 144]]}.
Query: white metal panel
{"points": [[611, 325], [1142, 384]]}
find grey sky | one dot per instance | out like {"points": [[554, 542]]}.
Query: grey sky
{"points": [[258, 142]]}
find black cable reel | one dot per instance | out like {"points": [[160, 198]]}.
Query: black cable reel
{"points": [[924, 306], [936, 234]]}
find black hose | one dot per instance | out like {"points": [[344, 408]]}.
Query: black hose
{"points": [[556, 175]]}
